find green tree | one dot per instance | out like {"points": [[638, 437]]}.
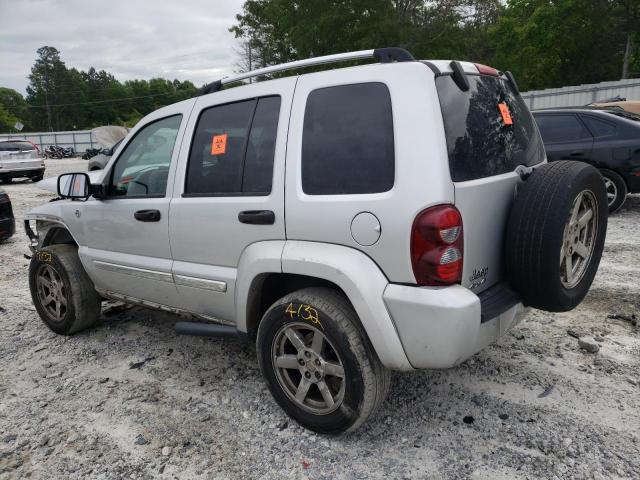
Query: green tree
{"points": [[553, 43], [14, 109]]}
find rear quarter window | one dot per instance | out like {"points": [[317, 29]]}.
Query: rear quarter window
{"points": [[347, 140], [480, 143]]}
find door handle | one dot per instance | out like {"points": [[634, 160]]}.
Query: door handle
{"points": [[147, 215], [577, 153], [257, 217]]}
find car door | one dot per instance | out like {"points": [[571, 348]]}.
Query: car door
{"points": [[564, 136], [124, 238], [229, 190]]}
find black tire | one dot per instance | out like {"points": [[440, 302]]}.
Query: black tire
{"points": [[366, 381], [536, 240], [616, 189], [82, 301], [6, 180], [37, 178]]}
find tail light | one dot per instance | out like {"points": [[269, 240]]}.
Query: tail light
{"points": [[437, 246]]}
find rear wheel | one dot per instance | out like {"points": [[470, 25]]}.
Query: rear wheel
{"points": [[556, 234], [318, 363], [37, 178], [62, 292], [616, 189], [5, 180]]}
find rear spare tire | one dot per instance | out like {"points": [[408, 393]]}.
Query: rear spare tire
{"points": [[556, 234]]}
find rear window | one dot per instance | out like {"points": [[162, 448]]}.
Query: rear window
{"points": [[479, 140], [15, 146]]}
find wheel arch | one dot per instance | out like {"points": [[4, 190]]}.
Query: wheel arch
{"points": [[269, 270]]}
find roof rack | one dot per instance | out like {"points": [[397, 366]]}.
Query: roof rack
{"points": [[382, 55]]}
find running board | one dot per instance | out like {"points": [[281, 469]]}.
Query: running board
{"points": [[206, 330]]}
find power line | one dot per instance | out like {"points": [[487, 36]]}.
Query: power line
{"points": [[102, 101]]}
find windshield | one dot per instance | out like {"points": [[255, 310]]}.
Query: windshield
{"points": [[489, 128]]}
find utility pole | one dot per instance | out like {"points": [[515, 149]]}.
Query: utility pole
{"points": [[46, 96]]}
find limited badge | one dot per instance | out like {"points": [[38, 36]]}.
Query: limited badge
{"points": [[506, 115], [219, 144]]}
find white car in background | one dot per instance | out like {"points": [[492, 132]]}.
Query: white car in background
{"points": [[19, 158]]}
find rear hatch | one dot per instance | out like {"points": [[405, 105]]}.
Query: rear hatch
{"points": [[489, 131], [18, 155]]}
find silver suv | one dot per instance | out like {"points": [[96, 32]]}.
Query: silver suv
{"points": [[391, 216]]}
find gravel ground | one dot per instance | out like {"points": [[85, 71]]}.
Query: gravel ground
{"points": [[130, 399]]}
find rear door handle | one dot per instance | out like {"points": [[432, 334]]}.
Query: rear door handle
{"points": [[577, 153], [257, 217], [147, 215]]}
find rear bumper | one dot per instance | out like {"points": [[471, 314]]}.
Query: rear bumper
{"points": [[21, 171], [442, 327]]}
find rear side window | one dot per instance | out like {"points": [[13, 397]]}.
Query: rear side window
{"points": [[347, 140], [561, 128], [480, 142], [599, 128], [233, 148]]}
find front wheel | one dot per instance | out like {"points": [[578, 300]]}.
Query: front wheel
{"points": [[318, 363], [61, 290]]}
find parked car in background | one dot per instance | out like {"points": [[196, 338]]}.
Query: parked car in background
{"points": [[7, 221], [632, 106], [20, 158], [98, 162], [608, 139]]}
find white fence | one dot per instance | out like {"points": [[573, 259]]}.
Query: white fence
{"points": [[580, 95], [80, 140]]}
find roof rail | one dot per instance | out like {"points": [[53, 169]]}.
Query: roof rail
{"points": [[382, 55]]}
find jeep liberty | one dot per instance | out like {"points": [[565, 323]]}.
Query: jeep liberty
{"points": [[396, 215]]}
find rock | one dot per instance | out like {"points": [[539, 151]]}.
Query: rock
{"points": [[10, 437], [103, 380], [503, 416], [589, 344], [140, 440], [633, 381], [166, 451], [468, 420]]}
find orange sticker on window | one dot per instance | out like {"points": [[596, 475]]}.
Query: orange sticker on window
{"points": [[506, 115], [219, 144]]}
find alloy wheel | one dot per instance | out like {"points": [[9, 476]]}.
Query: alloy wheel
{"points": [[52, 292], [308, 368], [579, 239]]}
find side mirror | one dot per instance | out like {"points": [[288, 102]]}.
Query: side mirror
{"points": [[74, 186]]}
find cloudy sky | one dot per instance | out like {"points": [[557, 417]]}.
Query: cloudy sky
{"points": [[183, 39]]}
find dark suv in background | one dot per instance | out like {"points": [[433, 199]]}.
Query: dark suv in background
{"points": [[609, 139]]}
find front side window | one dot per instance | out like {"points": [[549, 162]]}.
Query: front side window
{"points": [[347, 140], [233, 149], [561, 128], [142, 168]]}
